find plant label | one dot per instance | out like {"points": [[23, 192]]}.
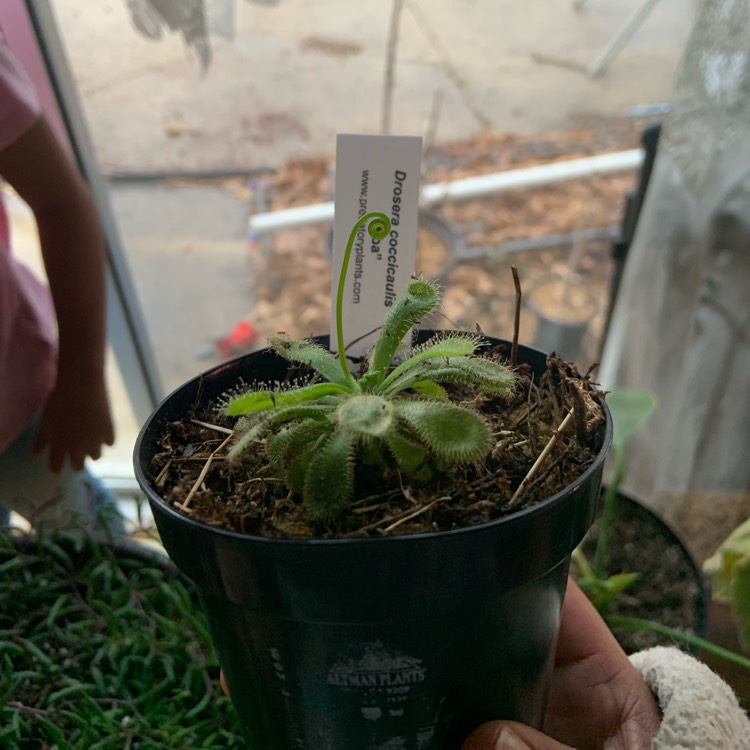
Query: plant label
{"points": [[374, 173]]}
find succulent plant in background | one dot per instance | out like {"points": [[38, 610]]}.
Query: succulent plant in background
{"points": [[730, 567], [396, 414]]}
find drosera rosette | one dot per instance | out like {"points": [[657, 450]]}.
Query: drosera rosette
{"points": [[396, 415]]}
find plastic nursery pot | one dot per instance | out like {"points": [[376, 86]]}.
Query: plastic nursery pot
{"points": [[395, 642], [671, 588], [563, 308]]}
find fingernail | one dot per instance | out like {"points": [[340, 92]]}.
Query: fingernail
{"points": [[509, 740]]}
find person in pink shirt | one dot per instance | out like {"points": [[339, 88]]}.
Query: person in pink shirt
{"points": [[54, 410]]}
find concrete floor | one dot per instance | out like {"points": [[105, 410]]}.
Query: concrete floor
{"points": [[189, 240], [285, 77]]}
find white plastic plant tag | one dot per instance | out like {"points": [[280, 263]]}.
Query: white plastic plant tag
{"points": [[373, 173]]}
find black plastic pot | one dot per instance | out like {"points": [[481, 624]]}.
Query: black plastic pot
{"points": [[556, 334], [401, 642], [671, 588]]}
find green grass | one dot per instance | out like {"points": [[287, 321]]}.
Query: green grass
{"points": [[99, 652]]}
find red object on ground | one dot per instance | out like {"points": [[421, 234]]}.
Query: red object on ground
{"points": [[240, 337]]}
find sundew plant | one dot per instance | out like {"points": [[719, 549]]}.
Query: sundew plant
{"points": [[397, 413]]}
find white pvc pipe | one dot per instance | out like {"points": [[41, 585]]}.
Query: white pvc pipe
{"points": [[469, 187], [270, 221]]}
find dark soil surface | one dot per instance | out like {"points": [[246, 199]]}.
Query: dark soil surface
{"points": [[669, 589], [251, 498]]}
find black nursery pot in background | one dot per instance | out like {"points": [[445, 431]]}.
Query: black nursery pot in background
{"points": [[671, 588], [396, 642], [564, 308]]}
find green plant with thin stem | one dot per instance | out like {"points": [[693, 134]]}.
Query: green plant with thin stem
{"points": [[395, 414], [730, 568], [630, 408]]}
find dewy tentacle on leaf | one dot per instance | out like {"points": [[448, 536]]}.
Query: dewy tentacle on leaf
{"points": [[367, 415], [286, 444], [311, 354], [330, 477], [454, 345], [253, 401], [449, 430], [420, 299], [257, 426]]}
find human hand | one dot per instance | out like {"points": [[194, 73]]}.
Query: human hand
{"points": [[597, 698], [76, 421]]}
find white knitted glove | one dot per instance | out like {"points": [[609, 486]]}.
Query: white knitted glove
{"points": [[699, 710]]}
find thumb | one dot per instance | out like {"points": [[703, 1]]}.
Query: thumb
{"points": [[510, 735]]}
